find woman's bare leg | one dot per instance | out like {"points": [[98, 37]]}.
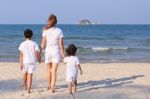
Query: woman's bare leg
{"points": [[54, 76], [29, 82], [49, 75]]}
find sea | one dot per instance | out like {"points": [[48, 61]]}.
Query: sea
{"points": [[95, 43]]}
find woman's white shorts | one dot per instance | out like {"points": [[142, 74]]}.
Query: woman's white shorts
{"points": [[52, 56]]}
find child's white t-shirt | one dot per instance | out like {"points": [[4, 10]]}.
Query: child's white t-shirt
{"points": [[52, 37], [29, 48], [72, 69]]}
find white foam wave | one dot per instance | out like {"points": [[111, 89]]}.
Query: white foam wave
{"points": [[100, 49], [120, 48], [109, 48]]}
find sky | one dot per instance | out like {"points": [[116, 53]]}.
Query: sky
{"points": [[72, 11]]}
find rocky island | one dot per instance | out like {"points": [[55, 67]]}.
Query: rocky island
{"points": [[85, 22]]}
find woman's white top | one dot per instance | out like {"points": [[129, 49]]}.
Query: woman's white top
{"points": [[52, 37]]}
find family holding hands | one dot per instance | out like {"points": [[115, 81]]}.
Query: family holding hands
{"points": [[52, 42]]}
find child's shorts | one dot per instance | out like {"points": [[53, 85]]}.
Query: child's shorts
{"points": [[29, 68], [70, 79]]}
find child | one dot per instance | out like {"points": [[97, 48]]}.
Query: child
{"points": [[72, 67], [29, 51]]}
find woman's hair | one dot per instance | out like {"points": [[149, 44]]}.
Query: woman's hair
{"points": [[52, 21], [71, 50], [28, 33]]}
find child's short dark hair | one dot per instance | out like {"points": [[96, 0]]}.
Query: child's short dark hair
{"points": [[28, 33], [71, 50]]}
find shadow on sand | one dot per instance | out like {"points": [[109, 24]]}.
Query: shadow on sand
{"points": [[107, 83], [14, 85], [10, 85], [134, 91]]}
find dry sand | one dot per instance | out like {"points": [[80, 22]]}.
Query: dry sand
{"points": [[99, 81]]}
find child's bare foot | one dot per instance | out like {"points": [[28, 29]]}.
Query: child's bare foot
{"points": [[74, 91], [25, 87], [49, 88], [70, 92]]}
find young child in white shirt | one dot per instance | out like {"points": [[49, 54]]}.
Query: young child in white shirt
{"points": [[72, 67], [29, 52]]}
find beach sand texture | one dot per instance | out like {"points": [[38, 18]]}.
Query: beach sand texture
{"points": [[99, 81]]}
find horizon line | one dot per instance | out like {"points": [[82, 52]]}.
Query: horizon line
{"points": [[75, 24]]}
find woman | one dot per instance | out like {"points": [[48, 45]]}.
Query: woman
{"points": [[52, 39]]}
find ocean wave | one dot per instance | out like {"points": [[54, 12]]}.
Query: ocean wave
{"points": [[10, 36], [96, 49], [140, 49], [108, 48], [100, 49], [81, 37], [146, 42], [93, 38], [117, 38]]}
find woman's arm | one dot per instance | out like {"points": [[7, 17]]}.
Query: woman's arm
{"points": [[43, 43], [61, 46]]}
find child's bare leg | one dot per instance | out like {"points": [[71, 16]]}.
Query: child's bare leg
{"points": [[70, 87], [29, 82], [74, 86], [25, 81]]}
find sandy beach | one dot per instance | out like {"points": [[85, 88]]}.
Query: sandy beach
{"points": [[99, 81]]}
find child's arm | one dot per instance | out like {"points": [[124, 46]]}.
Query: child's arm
{"points": [[38, 51], [80, 69], [65, 60], [38, 56], [21, 60]]}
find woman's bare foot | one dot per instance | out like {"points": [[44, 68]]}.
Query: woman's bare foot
{"points": [[74, 91], [29, 91], [52, 90]]}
